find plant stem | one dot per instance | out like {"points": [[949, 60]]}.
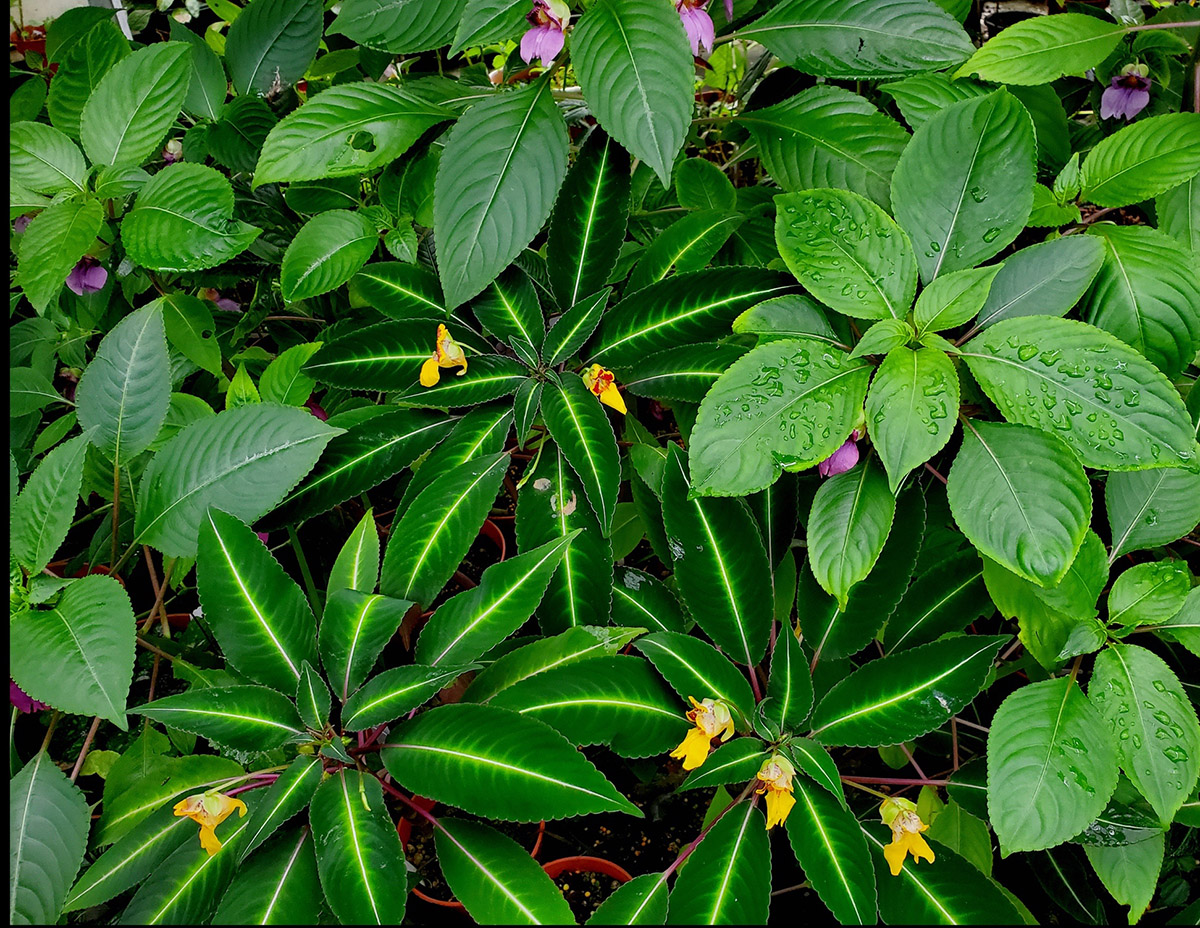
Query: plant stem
{"points": [[83, 752], [933, 470], [153, 650], [850, 781], [895, 781], [50, 730], [700, 837], [912, 760], [788, 889], [982, 728], [314, 598], [1188, 24]]}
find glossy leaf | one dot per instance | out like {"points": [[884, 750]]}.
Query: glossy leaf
{"points": [[790, 682], [729, 880], [271, 43], [953, 298], [1142, 160], [489, 377], [943, 599], [508, 308], [640, 600], [494, 762], [355, 628], [1151, 507], [1149, 594], [580, 427], [539, 656], [688, 244], [631, 58], [246, 718], [284, 798], [327, 251], [1037, 51], [390, 694], [1046, 279], [480, 432], [1052, 765], [278, 886], [641, 901], [695, 668], [385, 356], [963, 188], [1130, 872], [736, 761]]}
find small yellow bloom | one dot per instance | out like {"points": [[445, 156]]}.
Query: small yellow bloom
{"points": [[209, 810], [775, 775], [447, 353], [711, 718], [600, 382], [906, 825]]}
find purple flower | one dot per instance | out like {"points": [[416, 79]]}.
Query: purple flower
{"points": [[22, 222], [843, 459], [173, 151], [549, 20], [208, 293], [264, 537], [698, 24], [87, 276], [315, 408], [1127, 93], [19, 698]]}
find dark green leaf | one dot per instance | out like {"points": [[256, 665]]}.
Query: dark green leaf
{"points": [[390, 694], [271, 44], [246, 718], [729, 880], [695, 668]]}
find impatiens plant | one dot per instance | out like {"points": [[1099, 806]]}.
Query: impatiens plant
{"points": [[605, 461]]}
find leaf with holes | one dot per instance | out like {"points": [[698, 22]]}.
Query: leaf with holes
{"points": [[694, 668], [491, 761], [900, 697], [245, 718], [327, 251], [359, 855], [729, 880]]}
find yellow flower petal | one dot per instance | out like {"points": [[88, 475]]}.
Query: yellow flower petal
{"points": [[919, 847], [895, 853], [693, 749], [612, 397], [209, 840], [779, 804], [430, 374]]}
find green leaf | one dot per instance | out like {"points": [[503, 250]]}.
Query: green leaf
{"points": [[399, 27], [688, 244], [965, 834], [129, 113], [490, 376], [509, 309], [903, 696], [504, 161], [729, 880], [79, 71], [245, 718], [847, 252], [963, 188], [720, 564], [283, 382], [953, 298], [685, 373], [48, 827], [241, 461], [1041, 49], [430, 540], [318, 139], [208, 86], [131, 859], [828, 137], [808, 385], [589, 220], [790, 683], [1102, 392], [686, 309], [849, 523], [42, 513], [813, 760], [1046, 279], [53, 242], [641, 600], [494, 762], [695, 668], [553, 505], [123, 395], [1149, 594], [312, 699], [617, 701], [949, 891], [183, 221], [284, 798], [354, 630], [700, 184], [539, 656], [882, 337], [279, 886], [43, 160], [486, 21], [242, 391], [1178, 212], [945, 598], [1142, 160], [190, 329], [78, 656], [911, 409], [790, 316], [327, 251], [829, 845], [270, 46], [480, 432], [1022, 498], [632, 60], [1145, 294], [495, 879], [357, 563], [861, 38], [359, 855], [580, 427], [574, 327], [923, 96], [384, 357], [390, 694], [1152, 723], [736, 761], [470, 623], [1151, 507], [1052, 765], [641, 901], [1130, 872]]}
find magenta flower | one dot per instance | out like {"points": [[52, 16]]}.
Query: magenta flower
{"points": [[24, 702], [315, 408], [87, 276], [698, 24], [264, 537], [214, 296], [843, 459], [549, 20], [1127, 93]]}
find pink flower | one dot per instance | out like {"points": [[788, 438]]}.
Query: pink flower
{"points": [[698, 24], [208, 293], [549, 20], [843, 459], [263, 537], [1127, 93], [87, 276], [19, 698]]}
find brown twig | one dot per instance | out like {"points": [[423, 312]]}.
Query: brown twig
{"points": [[83, 752], [929, 467]]}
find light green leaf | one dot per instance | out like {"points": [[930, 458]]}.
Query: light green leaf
{"points": [[729, 880], [1130, 872], [882, 337], [245, 718], [965, 834], [190, 329], [1151, 507], [953, 298], [1178, 212], [700, 184], [208, 86], [633, 63], [923, 96], [1041, 49], [1149, 594], [850, 520], [269, 47], [1142, 160], [80, 70], [486, 21], [327, 251], [42, 513], [1052, 765], [43, 160], [52, 244]]}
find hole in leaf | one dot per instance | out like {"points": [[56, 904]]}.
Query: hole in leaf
{"points": [[362, 141]]}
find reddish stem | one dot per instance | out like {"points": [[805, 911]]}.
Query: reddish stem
{"points": [[897, 781], [266, 780]]}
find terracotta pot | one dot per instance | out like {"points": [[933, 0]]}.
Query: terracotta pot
{"points": [[56, 567], [586, 865], [492, 531]]}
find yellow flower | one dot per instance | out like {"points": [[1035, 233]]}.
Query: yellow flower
{"points": [[446, 353], [775, 775], [906, 825], [600, 382], [711, 718], [209, 810]]}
